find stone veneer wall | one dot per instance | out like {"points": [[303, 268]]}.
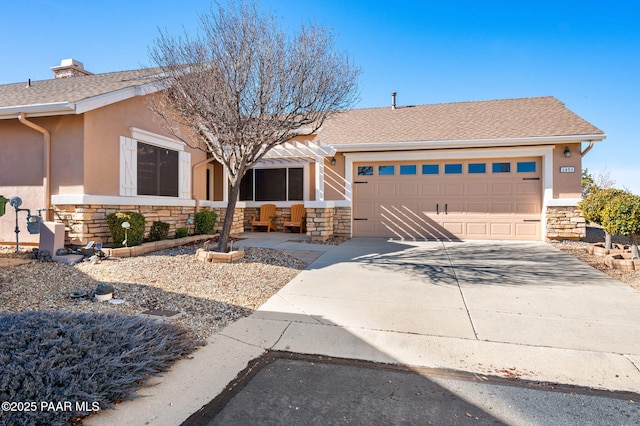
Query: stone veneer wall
{"points": [[238, 218], [320, 223], [565, 223], [342, 222], [87, 222]]}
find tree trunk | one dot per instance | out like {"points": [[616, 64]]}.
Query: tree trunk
{"points": [[607, 241], [225, 235], [634, 251]]}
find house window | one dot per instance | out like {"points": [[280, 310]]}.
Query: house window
{"points": [[407, 170], [453, 169], [430, 169], [477, 168], [526, 167], [157, 170], [501, 168], [386, 170], [283, 184]]}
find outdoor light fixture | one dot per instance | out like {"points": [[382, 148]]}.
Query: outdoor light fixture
{"points": [[125, 226], [333, 161], [567, 153]]}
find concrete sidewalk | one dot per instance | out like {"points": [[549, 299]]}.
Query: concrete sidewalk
{"points": [[511, 309]]}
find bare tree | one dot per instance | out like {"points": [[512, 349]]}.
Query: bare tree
{"points": [[244, 86]]}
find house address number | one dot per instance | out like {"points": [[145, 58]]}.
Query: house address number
{"points": [[570, 169]]}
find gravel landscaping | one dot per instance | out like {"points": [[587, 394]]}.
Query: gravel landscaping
{"points": [[596, 235], [208, 296]]}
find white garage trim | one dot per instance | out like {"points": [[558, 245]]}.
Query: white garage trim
{"points": [[470, 143]]}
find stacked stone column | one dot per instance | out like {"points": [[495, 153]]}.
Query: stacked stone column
{"points": [[565, 223]]}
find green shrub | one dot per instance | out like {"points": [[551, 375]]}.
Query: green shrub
{"points": [[182, 232], [135, 233], [593, 205], [621, 216], [205, 220], [159, 231]]}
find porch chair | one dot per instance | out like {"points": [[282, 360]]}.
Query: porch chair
{"points": [[298, 218], [267, 218]]}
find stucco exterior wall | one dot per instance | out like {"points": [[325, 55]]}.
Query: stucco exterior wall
{"points": [[22, 166], [334, 184], [567, 185], [102, 130]]}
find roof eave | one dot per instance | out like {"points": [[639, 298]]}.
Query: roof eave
{"points": [[38, 110], [466, 143], [105, 99], [78, 107]]}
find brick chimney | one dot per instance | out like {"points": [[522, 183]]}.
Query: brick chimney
{"points": [[69, 68]]}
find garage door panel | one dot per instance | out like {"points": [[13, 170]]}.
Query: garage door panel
{"points": [[501, 208], [501, 188], [527, 230], [477, 208], [428, 189], [386, 189], [362, 190], [454, 227], [455, 207], [527, 208], [453, 189], [477, 230], [502, 229], [409, 189], [479, 188], [529, 187], [483, 205]]}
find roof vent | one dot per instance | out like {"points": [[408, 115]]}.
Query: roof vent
{"points": [[69, 68], [393, 100]]}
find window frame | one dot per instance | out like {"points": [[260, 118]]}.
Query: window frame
{"points": [[287, 182]]}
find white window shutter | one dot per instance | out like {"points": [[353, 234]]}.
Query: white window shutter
{"points": [[184, 175], [128, 167]]}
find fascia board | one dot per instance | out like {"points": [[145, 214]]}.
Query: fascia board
{"points": [[100, 101], [37, 110], [470, 143]]}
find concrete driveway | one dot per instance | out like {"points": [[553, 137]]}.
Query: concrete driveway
{"points": [[512, 309]]}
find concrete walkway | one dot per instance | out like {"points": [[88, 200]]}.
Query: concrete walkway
{"points": [[510, 309]]}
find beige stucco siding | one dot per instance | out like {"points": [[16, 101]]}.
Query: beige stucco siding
{"points": [[567, 185], [334, 183], [102, 130], [22, 166]]}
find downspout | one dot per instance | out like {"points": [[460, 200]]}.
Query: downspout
{"points": [[46, 180], [587, 149], [193, 178]]}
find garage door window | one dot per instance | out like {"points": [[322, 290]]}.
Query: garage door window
{"points": [[430, 169], [478, 168], [501, 167], [452, 169], [365, 170], [526, 167], [407, 170], [386, 170]]}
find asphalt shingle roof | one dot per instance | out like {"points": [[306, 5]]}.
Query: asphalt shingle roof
{"points": [[72, 89], [496, 119]]}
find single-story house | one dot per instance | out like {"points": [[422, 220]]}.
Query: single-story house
{"points": [[85, 145]]}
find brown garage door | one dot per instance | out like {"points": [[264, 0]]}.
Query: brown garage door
{"points": [[471, 199]]}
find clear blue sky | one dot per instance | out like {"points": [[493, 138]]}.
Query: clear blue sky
{"points": [[585, 53]]}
